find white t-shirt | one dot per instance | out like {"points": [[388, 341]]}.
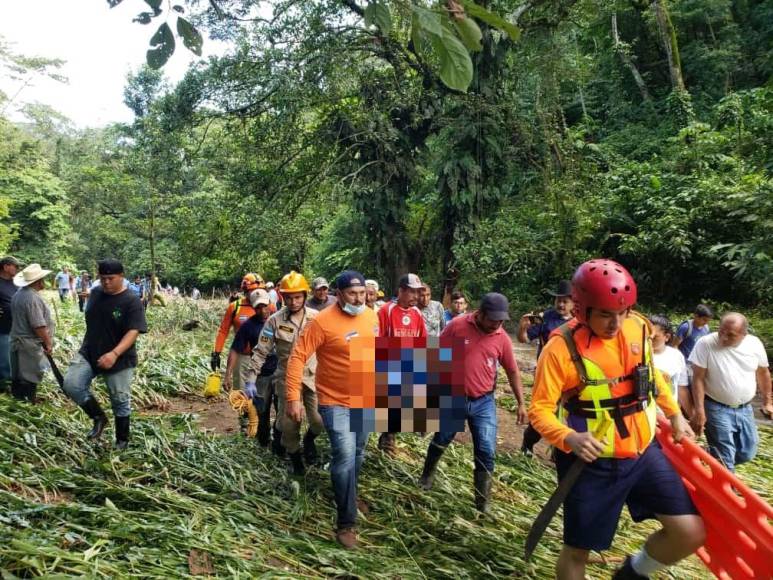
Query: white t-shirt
{"points": [[731, 370], [671, 365]]}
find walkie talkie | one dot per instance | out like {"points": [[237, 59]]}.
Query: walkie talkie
{"points": [[643, 385]]}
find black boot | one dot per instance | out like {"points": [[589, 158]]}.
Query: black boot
{"points": [[310, 448], [24, 391], [530, 438], [297, 462], [93, 410], [482, 490], [626, 572], [434, 452], [276, 444], [121, 433]]}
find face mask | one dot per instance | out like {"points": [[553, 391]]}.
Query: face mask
{"points": [[353, 310]]}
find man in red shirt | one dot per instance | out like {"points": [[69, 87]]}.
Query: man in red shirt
{"points": [[487, 346], [401, 319]]}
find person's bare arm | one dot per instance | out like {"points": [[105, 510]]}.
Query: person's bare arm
{"points": [[107, 360], [698, 419], [514, 378], [43, 334], [764, 384]]}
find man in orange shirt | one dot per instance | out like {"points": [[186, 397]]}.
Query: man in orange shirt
{"points": [[328, 335], [237, 313], [597, 367]]}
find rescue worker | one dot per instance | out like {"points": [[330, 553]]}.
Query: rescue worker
{"points": [[237, 313], [401, 319], [596, 367], [328, 336], [279, 334]]}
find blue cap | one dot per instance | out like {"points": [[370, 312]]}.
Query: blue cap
{"points": [[495, 306], [349, 278]]}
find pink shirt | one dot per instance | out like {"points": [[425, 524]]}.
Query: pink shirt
{"points": [[482, 352]]}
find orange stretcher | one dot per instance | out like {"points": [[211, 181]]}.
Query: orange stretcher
{"points": [[739, 523]]}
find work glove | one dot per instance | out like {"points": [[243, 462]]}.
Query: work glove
{"points": [[214, 361], [250, 390]]}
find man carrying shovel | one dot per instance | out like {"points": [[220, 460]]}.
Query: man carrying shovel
{"points": [[596, 367]]}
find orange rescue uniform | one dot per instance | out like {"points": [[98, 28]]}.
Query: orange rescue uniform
{"points": [[557, 378]]}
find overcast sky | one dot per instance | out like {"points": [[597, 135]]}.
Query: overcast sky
{"points": [[101, 45]]}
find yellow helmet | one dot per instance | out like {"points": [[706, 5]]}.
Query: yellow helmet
{"points": [[252, 282], [293, 282]]}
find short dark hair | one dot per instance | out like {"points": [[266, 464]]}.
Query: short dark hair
{"points": [[703, 310], [456, 295], [663, 322]]}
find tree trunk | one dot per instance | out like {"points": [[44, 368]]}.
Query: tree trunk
{"points": [[153, 279], [628, 62], [670, 45]]}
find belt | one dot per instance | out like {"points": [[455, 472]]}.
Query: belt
{"points": [[480, 396], [713, 400]]}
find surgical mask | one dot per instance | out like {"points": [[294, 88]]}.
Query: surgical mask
{"points": [[353, 310]]}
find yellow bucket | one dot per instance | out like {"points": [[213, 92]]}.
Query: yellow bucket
{"points": [[212, 386]]}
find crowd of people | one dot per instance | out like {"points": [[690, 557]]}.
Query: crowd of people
{"points": [[603, 373]]}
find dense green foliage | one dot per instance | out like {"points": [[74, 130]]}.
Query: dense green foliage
{"points": [[326, 139]]}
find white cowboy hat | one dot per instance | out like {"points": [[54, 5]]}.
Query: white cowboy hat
{"points": [[30, 275]]}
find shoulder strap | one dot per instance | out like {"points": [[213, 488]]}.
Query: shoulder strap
{"points": [[237, 304], [567, 334]]}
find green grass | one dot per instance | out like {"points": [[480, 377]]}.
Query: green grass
{"points": [[69, 507]]}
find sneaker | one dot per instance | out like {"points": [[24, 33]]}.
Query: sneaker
{"points": [[347, 537]]}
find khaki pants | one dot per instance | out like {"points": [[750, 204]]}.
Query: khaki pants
{"points": [[291, 431], [240, 370]]}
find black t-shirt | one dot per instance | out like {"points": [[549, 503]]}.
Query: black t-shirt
{"points": [[7, 290], [108, 318]]}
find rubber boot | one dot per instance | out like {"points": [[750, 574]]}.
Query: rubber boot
{"points": [[626, 572], [121, 433], [93, 410], [434, 453], [310, 453], [296, 459], [482, 490], [276, 444], [24, 391], [530, 438]]}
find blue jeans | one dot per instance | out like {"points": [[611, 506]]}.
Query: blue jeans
{"points": [[5, 357], [482, 419], [348, 452], [731, 432], [78, 379]]}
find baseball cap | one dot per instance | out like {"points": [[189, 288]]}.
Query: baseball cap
{"points": [[410, 281], [109, 267], [10, 260], [349, 278], [258, 297], [319, 283], [495, 306]]}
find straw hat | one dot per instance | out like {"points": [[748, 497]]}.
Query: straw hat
{"points": [[30, 275]]}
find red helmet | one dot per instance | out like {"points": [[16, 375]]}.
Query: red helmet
{"points": [[603, 284], [251, 282]]}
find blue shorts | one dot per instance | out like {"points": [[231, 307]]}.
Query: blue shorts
{"points": [[648, 485]]}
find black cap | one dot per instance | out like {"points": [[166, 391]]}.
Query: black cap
{"points": [[410, 281], [495, 306], [10, 260], [109, 267], [564, 289], [349, 278]]}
